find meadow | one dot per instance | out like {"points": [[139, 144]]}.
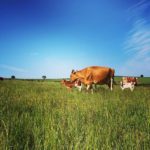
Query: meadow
{"points": [[45, 115]]}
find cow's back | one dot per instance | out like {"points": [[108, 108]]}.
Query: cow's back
{"points": [[98, 74]]}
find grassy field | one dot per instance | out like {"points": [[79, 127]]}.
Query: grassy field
{"points": [[45, 115]]}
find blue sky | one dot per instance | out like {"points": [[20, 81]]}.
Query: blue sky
{"points": [[52, 37]]}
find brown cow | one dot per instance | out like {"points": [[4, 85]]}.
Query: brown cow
{"points": [[94, 75]]}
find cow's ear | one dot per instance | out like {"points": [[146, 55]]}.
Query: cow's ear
{"points": [[72, 71]]}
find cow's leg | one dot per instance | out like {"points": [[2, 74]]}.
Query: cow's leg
{"points": [[122, 85], [89, 86], [80, 88], [94, 86], [92, 90], [132, 88], [122, 88], [111, 84]]}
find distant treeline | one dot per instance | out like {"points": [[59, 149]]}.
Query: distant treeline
{"points": [[40, 80], [141, 80]]}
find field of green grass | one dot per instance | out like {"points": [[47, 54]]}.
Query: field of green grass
{"points": [[45, 115]]}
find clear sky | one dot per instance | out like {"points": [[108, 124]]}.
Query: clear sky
{"points": [[52, 37]]}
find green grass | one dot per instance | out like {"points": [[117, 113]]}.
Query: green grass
{"points": [[45, 115]]}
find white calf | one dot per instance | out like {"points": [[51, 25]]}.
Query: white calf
{"points": [[126, 85]]}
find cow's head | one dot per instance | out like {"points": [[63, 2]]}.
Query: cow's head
{"points": [[73, 76]]}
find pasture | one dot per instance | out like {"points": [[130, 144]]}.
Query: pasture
{"points": [[45, 115]]}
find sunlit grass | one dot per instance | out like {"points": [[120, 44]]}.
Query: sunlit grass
{"points": [[45, 115]]}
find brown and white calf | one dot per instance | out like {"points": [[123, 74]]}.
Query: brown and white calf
{"points": [[69, 85], [128, 82], [130, 79], [129, 85]]}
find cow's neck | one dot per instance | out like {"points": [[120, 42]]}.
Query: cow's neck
{"points": [[80, 74]]}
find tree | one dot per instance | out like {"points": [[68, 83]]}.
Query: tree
{"points": [[142, 76], [44, 77], [1, 78], [13, 77]]}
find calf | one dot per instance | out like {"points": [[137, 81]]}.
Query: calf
{"points": [[69, 85], [126, 85]]}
